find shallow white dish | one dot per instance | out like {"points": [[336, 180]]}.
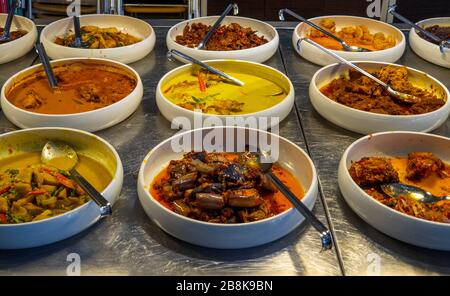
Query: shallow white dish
{"points": [[19, 47], [366, 122], [257, 54], [175, 113], [38, 233], [419, 232], [125, 54], [316, 56], [94, 120], [226, 236], [427, 50]]}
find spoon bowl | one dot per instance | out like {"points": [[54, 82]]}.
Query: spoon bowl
{"points": [[397, 190]]}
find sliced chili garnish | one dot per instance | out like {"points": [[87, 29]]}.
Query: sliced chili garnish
{"points": [[3, 218], [37, 192], [201, 81], [5, 189]]}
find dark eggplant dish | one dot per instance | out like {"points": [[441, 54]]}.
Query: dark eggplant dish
{"points": [[443, 32], [220, 187], [420, 169]]}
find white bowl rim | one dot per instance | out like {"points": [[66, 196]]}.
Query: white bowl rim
{"points": [[413, 31], [291, 89], [105, 50], [68, 60], [372, 200], [403, 40], [26, 20], [141, 180], [382, 116], [269, 43], [110, 147]]}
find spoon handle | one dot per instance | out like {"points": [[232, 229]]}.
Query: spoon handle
{"points": [[46, 64], [105, 206], [76, 25], [325, 234], [9, 19], [208, 35]]}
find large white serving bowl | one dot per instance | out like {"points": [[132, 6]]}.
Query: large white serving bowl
{"points": [[419, 232], [178, 115], [15, 49], [257, 54], [364, 122], [91, 121], [315, 55], [226, 236], [124, 54], [38, 233], [427, 50]]}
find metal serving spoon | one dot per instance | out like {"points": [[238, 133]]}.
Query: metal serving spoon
{"points": [[442, 43], [172, 52], [214, 27], [342, 42], [7, 28], [397, 190], [52, 81], [64, 157], [78, 42], [406, 98], [265, 163]]}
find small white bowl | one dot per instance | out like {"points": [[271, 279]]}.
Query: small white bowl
{"points": [[173, 112], [364, 122], [38, 233], [226, 236], [15, 49], [419, 232], [257, 54], [124, 54], [427, 50], [315, 55], [91, 121]]}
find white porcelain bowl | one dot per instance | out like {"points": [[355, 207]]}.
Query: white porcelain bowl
{"points": [[319, 57], [38, 233], [177, 115], [364, 122], [226, 236], [257, 54], [15, 49], [94, 120], [427, 50], [125, 54], [419, 232]]}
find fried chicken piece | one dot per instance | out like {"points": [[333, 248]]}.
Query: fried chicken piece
{"points": [[371, 171], [423, 164]]}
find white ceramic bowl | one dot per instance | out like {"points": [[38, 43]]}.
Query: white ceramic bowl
{"points": [[257, 54], [419, 232], [427, 50], [177, 115], [38, 233], [94, 120], [317, 56], [366, 122], [226, 236], [125, 54], [19, 47]]}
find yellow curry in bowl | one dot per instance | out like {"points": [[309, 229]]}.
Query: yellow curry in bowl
{"points": [[197, 89]]}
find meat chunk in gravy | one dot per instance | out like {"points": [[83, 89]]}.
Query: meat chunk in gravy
{"points": [[423, 164], [372, 171]]}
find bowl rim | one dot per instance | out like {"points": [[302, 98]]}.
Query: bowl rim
{"points": [[104, 50], [110, 184], [372, 200], [25, 19], [383, 51], [419, 23], [275, 38], [142, 185], [378, 115], [257, 113], [69, 61]]}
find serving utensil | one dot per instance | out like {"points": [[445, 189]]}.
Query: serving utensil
{"points": [[52, 81], [7, 28], [397, 190], [344, 44], [214, 27], [442, 43], [172, 52], [406, 98], [78, 42], [64, 157], [265, 163]]}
